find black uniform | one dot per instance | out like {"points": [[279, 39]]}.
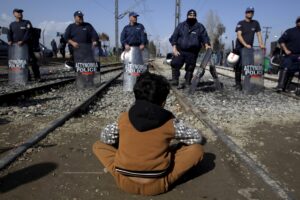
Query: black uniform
{"points": [[62, 46], [22, 31], [82, 33], [290, 63], [291, 38], [188, 40], [54, 48], [133, 35], [19, 31], [248, 30]]}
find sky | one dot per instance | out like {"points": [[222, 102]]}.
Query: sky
{"points": [[158, 16]]}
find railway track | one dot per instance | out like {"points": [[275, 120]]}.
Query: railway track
{"points": [[266, 76], [47, 72], [199, 112], [13, 154], [21, 94], [244, 157], [230, 74], [75, 138]]}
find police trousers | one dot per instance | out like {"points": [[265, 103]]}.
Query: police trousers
{"points": [[291, 63], [34, 65], [238, 68], [189, 58]]}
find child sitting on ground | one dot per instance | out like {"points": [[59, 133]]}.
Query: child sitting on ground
{"points": [[143, 162]]}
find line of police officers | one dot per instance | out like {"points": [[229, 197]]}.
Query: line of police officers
{"points": [[187, 40]]}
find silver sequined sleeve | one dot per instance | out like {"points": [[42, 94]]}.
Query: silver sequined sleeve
{"points": [[110, 134], [185, 134]]}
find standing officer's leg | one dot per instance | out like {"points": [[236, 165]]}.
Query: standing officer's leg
{"points": [[292, 69], [280, 76], [176, 64], [190, 64], [285, 74], [238, 71], [35, 67], [62, 52]]}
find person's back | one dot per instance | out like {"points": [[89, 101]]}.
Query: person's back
{"points": [[54, 45], [138, 149], [144, 163], [62, 42]]}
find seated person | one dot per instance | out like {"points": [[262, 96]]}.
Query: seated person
{"points": [[143, 162]]}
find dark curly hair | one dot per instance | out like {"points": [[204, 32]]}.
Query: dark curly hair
{"points": [[151, 87]]}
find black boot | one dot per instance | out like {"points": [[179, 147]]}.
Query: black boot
{"points": [[238, 86], [238, 78], [282, 81], [188, 78], [181, 86], [279, 78], [289, 80], [175, 77], [297, 87], [29, 75]]}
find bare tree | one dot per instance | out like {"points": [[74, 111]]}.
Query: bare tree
{"points": [[152, 48], [104, 37], [215, 30]]}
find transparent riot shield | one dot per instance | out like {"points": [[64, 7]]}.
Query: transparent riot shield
{"points": [[133, 67], [252, 63], [85, 66], [96, 52], [213, 72], [17, 63], [146, 57]]}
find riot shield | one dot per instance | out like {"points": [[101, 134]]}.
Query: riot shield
{"points": [[200, 71], [145, 54], [252, 63], [85, 66], [214, 74], [146, 57], [17, 63], [133, 67]]}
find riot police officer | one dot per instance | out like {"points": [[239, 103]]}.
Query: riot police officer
{"points": [[62, 46], [80, 32], [20, 32], [133, 34], [187, 40], [290, 43], [246, 30]]}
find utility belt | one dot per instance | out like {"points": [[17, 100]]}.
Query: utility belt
{"points": [[134, 45], [192, 51]]}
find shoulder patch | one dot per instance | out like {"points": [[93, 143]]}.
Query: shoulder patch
{"points": [[28, 26]]}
